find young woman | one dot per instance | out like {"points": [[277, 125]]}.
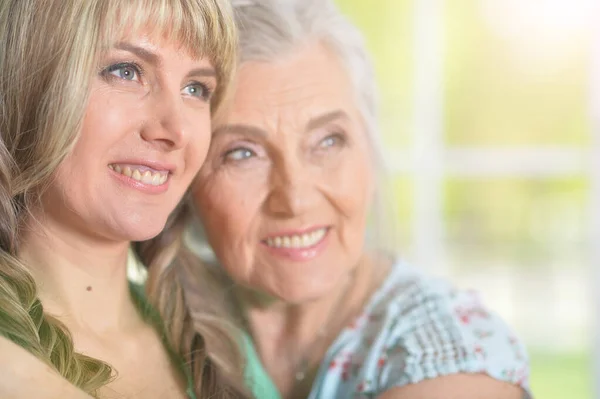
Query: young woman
{"points": [[105, 110]]}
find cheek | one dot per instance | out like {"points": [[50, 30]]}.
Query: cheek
{"points": [[200, 137], [352, 186], [226, 215], [81, 170], [65, 179], [107, 118], [195, 156], [106, 125]]}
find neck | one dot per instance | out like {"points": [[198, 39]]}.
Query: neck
{"points": [[81, 280], [304, 331]]}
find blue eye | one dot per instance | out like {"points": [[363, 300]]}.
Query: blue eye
{"points": [[199, 90], [239, 154], [125, 71], [331, 141]]}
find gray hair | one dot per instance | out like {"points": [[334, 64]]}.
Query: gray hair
{"points": [[268, 30], [271, 28]]}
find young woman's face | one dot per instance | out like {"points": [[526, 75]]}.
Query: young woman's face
{"points": [[145, 134], [288, 181]]}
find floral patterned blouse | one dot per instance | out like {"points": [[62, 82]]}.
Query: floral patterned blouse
{"points": [[416, 328]]}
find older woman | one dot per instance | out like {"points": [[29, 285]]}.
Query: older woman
{"points": [[284, 198]]}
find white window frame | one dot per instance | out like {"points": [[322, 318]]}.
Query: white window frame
{"points": [[594, 173], [429, 161]]}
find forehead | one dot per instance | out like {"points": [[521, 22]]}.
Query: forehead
{"points": [[306, 82], [152, 41]]}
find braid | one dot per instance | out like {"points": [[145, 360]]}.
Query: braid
{"points": [[192, 312], [49, 51], [22, 318]]}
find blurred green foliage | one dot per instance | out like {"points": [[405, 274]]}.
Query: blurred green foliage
{"points": [[523, 222], [500, 92], [387, 28], [495, 95], [561, 376]]}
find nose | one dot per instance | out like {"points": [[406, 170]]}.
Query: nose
{"points": [[165, 126], [292, 190]]}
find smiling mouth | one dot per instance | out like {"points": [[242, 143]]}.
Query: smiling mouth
{"points": [[297, 241], [141, 174]]}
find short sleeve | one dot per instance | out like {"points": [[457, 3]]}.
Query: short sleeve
{"points": [[444, 331]]}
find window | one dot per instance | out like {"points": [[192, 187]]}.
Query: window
{"points": [[496, 160]]}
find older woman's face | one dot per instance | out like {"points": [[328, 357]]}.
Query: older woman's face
{"points": [[145, 134], [287, 183]]}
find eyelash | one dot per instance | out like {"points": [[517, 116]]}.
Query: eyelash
{"points": [[107, 73], [227, 154], [339, 137], [206, 90]]}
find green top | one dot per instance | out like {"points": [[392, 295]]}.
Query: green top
{"points": [[256, 377], [151, 315]]}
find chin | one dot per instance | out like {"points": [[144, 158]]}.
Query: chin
{"points": [[144, 236], [143, 231], [296, 295]]}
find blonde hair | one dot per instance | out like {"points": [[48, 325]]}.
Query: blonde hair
{"points": [[193, 304], [48, 54]]}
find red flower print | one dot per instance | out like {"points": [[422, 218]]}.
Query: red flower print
{"points": [[463, 315], [479, 350]]}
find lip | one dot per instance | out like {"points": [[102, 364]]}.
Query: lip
{"points": [[145, 165], [299, 254]]}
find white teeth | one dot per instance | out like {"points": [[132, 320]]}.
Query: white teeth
{"points": [[136, 175], [147, 177], [297, 240], [305, 240]]}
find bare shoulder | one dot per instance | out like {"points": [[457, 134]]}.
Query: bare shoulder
{"points": [[25, 376], [457, 386]]}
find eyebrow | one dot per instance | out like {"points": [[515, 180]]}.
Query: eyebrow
{"points": [[326, 118], [141, 52], [206, 71], [154, 58], [314, 123], [239, 128]]}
